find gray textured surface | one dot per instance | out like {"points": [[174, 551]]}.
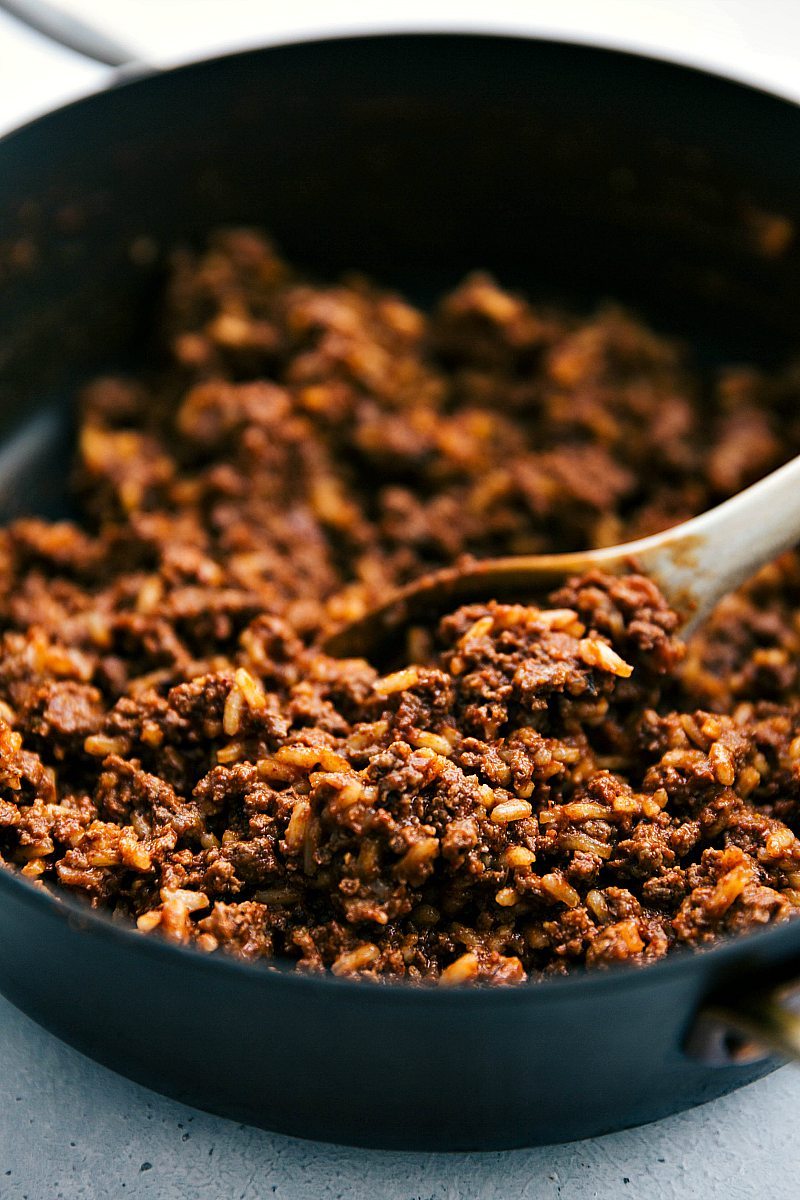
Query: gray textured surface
{"points": [[70, 1130]]}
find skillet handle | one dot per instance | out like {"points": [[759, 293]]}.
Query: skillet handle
{"points": [[61, 27], [756, 1026]]}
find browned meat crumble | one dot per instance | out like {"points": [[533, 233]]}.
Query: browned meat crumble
{"points": [[541, 786]]}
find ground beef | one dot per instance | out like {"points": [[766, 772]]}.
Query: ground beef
{"points": [[531, 788]]}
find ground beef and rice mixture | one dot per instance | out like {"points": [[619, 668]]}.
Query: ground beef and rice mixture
{"points": [[533, 787]]}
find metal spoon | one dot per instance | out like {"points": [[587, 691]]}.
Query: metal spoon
{"points": [[694, 564]]}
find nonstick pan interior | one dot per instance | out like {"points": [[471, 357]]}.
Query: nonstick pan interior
{"points": [[572, 172]]}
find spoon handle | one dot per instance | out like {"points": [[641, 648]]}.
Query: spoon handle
{"points": [[702, 560], [695, 564]]}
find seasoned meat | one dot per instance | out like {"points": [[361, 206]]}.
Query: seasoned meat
{"points": [[532, 787]]}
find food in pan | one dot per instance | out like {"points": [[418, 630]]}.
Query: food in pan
{"points": [[531, 788]]}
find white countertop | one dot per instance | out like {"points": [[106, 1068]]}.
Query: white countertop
{"points": [[70, 1129]]}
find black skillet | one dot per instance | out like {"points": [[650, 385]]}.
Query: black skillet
{"points": [[572, 171]]}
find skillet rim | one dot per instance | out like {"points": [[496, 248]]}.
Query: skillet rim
{"points": [[136, 75], [81, 918]]}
